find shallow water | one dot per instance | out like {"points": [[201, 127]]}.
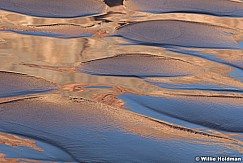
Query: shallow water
{"points": [[114, 81]]}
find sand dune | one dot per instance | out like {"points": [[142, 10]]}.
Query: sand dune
{"points": [[120, 81], [54, 8], [178, 33], [14, 84], [84, 123], [215, 7], [139, 65], [218, 113]]}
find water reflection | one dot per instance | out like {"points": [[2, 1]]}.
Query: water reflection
{"points": [[91, 96]]}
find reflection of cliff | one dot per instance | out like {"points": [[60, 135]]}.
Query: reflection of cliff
{"points": [[47, 51], [51, 51], [20, 19], [20, 49]]}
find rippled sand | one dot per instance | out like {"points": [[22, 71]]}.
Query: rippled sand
{"points": [[216, 7], [120, 81], [178, 33], [55, 8]]}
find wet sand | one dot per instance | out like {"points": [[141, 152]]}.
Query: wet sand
{"points": [[120, 81]]}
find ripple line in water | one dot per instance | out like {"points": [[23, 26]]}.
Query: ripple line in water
{"points": [[56, 30], [201, 87]]}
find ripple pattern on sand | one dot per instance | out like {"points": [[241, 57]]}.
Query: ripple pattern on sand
{"points": [[55, 8], [216, 7]]}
